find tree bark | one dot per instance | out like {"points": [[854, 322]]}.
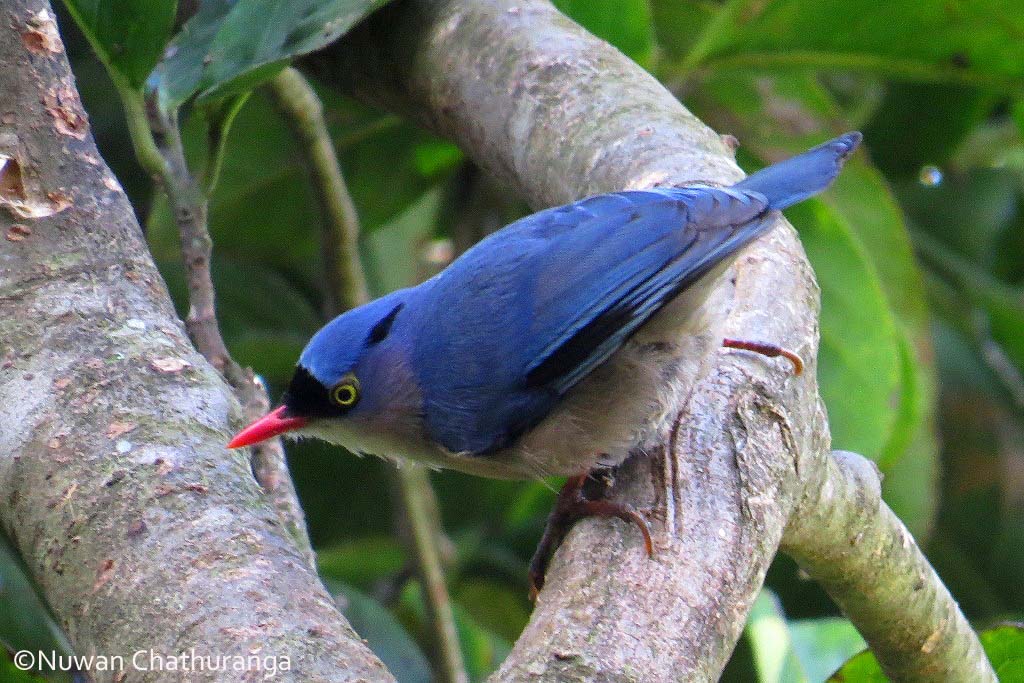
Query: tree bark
{"points": [[143, 531]]}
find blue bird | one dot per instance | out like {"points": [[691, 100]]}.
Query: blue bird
{"points": [[546, 348]]}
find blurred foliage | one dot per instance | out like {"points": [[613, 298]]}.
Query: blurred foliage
{"points": [[25, 622], [228, 47], [919, 250], [1003, 644], [798, 650]]}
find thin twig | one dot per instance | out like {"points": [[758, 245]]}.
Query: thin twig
{"points": [[303, 110], [347, 288], [159, 149]]}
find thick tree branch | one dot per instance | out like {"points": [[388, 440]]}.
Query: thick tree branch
{"points": [[558, 114], [142, 531], [347, 288]]}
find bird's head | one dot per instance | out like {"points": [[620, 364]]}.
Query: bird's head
{"points": [[350, 369]]}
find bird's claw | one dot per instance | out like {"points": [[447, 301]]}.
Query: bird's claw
{"points": [[766, 349], [573, 505]]}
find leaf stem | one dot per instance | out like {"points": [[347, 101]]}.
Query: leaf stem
{"points": [[301, 106]]}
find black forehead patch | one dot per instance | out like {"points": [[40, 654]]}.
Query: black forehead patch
{"points": [[383, 328], [307, 397]]}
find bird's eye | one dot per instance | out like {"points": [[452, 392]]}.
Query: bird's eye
{"points": [[346, 392]]}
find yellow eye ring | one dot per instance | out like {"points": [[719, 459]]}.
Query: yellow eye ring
{"points": [[346, 393]]}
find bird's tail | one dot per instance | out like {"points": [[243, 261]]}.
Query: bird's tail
{"points": [[804, 175]]}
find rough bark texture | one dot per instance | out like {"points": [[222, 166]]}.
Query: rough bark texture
{"points": [[558, 114], [142, 530]]}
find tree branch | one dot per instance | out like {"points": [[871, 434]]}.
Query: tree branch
{"points": [[558, 114], [142, 531], [848, 540], [347, 288]]}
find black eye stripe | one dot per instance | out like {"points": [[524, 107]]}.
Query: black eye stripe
{"points": [[381, 330], [307, 397]]}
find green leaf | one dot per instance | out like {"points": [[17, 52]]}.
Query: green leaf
{"points": [[1004, 646], [362, 561], [931, 40], [859, 365], [12, 674], [25, 621], [383, 633], [862, 668], [678, 24], [128, 35], [177, 77], [919, 124], [771, 642], [797, 651], [823, 644], [909, 458], [482, 649], [495, 606], [230, 47], [626, 24], [394, 253]]}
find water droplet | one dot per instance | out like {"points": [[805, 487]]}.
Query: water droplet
{"points": [[930, 176]]}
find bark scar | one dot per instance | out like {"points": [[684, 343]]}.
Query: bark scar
{"points": [[19, 195]]}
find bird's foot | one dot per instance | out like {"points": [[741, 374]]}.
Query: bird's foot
{"points": [[574, 504], [766, 349]]}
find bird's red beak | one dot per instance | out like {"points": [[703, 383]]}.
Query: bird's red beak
{"points": [[273, 423]]}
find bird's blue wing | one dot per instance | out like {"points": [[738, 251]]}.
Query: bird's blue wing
{"points": [[530, 311], [623, 275]]}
